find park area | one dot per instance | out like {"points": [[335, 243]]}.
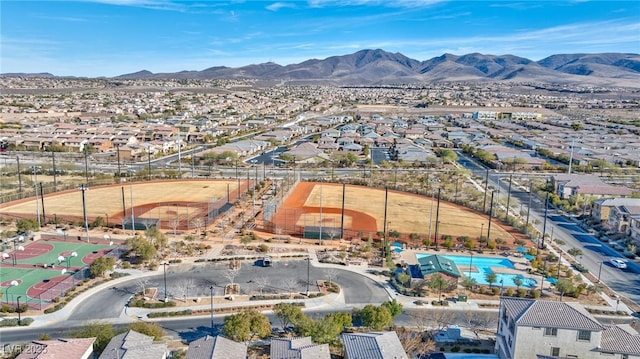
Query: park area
{"points": [[180, 202], [36, 272], [320, 205]]}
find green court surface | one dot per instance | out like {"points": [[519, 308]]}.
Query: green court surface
{"points": [[65, 249], [26, 277]]}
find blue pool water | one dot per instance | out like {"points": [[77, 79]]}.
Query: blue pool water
{"points": [[483, 266]]}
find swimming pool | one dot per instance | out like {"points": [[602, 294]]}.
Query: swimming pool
{"points": [[483, 266]]}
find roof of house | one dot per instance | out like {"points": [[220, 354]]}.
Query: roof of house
{"points": [[542, 313], [216, 347], [298, 348], [614, 202], [621, 338], [375, 345], [58, 349], [438, 264], [133, 345]]}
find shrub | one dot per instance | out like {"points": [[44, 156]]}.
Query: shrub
{"points": [[455, 349], [535, 293], [495, 290], [13, 322]]}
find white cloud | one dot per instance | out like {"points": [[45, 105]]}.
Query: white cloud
{"points": [[279, 5], [385, 3]]}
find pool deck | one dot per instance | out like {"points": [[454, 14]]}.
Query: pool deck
{"points": [[521, 264]]}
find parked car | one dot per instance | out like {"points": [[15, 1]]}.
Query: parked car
{"points": [[618, 263]]}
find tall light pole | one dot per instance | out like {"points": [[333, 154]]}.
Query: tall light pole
{"points": [[211, 306], [17, 248], [84, 188], [35, 187], [164, 265], [18, 310]]}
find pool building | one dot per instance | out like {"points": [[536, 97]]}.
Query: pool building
{"points": [[452, 267], [430, 265]]}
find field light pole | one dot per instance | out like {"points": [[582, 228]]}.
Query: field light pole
{"points": [[84, 188], [35, 187]]}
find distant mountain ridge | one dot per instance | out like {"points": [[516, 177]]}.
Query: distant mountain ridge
{"points": [[372, 67]]}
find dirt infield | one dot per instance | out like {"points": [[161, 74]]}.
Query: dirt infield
{"points": [[180, 200], [406, 212]]}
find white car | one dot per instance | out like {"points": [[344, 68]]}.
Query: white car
{"points": [[618, 263]]}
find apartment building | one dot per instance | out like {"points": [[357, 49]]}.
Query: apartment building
{"points": [[530, 329]]}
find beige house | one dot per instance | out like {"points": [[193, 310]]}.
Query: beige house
{"points": [[539, 329]]}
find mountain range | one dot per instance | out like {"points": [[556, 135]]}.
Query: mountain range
{"points": [[379, 67]]}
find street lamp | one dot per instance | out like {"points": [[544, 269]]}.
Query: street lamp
{"points": [[84, 188], [599, 271], [164, 267], [18, 309], [12, 284], [67, 258], [211, 306], [481, 233], [308, 274]]}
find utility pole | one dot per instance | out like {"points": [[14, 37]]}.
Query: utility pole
{"points": [[486, 184], [544, 226], [437, 219], [490, 216], [35, 187], [526, 227]]}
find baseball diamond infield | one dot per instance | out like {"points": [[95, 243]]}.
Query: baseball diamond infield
{"points": [[181, 200], [364, 212]]}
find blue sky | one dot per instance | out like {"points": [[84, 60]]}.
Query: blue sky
{"points": [[113, 37]]}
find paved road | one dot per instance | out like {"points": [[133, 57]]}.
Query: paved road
{"points": [[195, 281], [625, 282]]}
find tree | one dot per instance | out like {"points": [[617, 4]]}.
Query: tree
{"points": [[246, 239], [469, 283], [101, 265], [328, 329], [103, 332], [479, 321], [374, 317], [413, 342], [517, 280], [394, 307], [151, 329], [156, 237], [564, 286], [438, 282], [261, 283], [403, 278], [288, 314], [491, 278], [246, 326], [142, 248]]}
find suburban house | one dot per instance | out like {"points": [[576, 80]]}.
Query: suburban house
{"points": [[81, 348], [298, 348], [132, 344], [538, 329], [434, 264], [568, 185], [375, 345], [209, 347], [620, 218], [601, 208]]}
